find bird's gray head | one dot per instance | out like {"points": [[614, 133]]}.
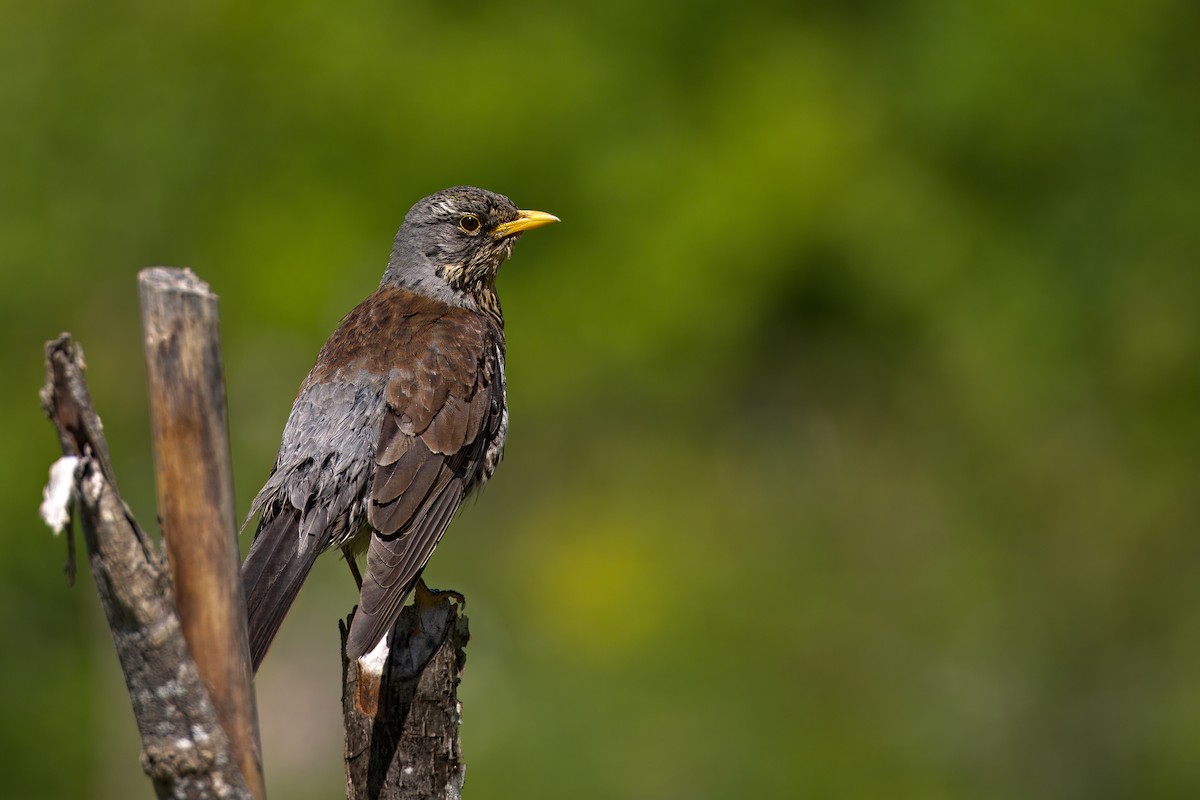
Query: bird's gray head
{"points": [[453, 242]]}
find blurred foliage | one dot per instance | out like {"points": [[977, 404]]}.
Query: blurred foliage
{"points": [[855, 403]]}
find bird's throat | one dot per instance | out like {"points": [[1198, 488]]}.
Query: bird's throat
{"points": [[477, 287]]}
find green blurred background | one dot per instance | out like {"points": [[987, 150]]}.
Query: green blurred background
{"points": [[855, 403]]}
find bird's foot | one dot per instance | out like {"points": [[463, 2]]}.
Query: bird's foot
{"points": [[424, 597]]}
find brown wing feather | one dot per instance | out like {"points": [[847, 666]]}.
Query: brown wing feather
{"points": [[431, 449], [398, 561], [400, 479]]}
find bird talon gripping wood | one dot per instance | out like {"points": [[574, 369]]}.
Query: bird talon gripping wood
{"points": [[401, 418]]}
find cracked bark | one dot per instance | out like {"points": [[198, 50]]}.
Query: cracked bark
{"points": [[402, 719], [184, 750]]}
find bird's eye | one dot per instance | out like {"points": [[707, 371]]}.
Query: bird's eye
{"points": [[469, 223]]}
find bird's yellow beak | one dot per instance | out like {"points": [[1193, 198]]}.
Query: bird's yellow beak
{"points": [[525, 221]]}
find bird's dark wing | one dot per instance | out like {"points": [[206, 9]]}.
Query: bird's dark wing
{"points": [[445, 409], [314, 498]]}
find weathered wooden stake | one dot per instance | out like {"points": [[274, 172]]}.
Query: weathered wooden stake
{"points": [[184, 750], [401, 711], [195, 496]]}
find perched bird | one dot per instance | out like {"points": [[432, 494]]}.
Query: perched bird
{"points": [[402, 416]]}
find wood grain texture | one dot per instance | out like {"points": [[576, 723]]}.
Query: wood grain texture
{"points": [[195, 495]]}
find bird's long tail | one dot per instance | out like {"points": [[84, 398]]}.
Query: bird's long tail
{"points": [[271, 576]]}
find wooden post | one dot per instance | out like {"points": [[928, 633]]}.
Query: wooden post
{"points": [[184, 749], [401, 711], [195, 497]]}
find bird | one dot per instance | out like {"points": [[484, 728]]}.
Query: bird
{"points": [[402, 417]]}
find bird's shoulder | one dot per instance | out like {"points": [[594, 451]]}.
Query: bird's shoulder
{"points": [[396, 332]]}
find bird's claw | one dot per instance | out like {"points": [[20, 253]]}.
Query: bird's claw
{"points": [[424, 596]]}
